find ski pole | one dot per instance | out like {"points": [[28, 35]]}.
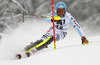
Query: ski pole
{"points": [[39, 16], [27, 14]]}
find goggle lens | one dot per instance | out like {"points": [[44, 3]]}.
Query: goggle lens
{"points": [[60, 10]]}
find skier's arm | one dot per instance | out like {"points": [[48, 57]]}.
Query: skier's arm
{"points": [[49, 15], [48, 20], [78, 28]]}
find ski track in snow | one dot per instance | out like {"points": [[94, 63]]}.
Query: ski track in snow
{"points": [[69, 51]]}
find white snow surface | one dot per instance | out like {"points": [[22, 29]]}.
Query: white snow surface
{"points": [[69, 51]]}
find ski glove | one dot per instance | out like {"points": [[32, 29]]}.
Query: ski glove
{"points": [[84, 40]]}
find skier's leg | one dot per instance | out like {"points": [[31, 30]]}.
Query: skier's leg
{"points": [[45, 41], [38, 45], [60, 35]]}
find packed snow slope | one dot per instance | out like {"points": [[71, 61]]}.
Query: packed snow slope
{"points": [[69, 51]]}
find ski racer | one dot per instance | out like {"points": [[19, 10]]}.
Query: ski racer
{"points": [[61, 29]]}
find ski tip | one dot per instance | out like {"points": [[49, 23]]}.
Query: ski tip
{"points": [[18, 56]]}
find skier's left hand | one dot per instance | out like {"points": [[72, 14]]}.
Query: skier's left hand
{"points": [[84, 40]]}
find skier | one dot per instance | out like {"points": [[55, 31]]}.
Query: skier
{"points": [[61, 29]]}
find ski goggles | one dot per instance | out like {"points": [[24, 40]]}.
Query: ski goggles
{"points": [[60, 10]]}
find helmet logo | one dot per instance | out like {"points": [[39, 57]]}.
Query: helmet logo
{"points": [[60, 6]]}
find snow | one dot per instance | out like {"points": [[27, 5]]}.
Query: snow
{"points": [[69, 51]]}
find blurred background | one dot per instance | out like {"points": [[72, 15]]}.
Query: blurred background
{"points": [[86, 12]]}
